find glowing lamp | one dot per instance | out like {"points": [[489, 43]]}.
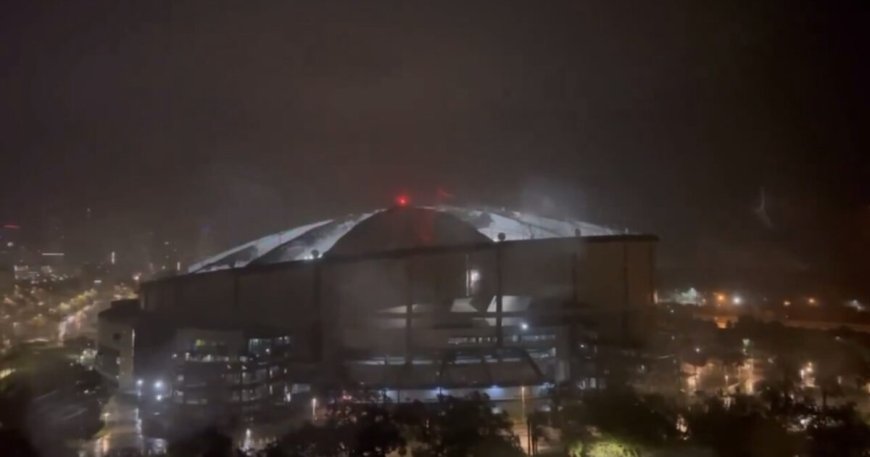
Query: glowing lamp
{"points": [[402, 200]]}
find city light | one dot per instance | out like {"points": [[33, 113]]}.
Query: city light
{"points": [[807, 375], [248, 443], [158, 385], [855, 304], [737, 300], [495, 391], [524, 326]]}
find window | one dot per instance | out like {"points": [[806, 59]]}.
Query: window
{"points": [[259, 346], [282, 341], [212, 350], [300, 388], [470, 340], [250, 395], [542, 337], [251, 377]]}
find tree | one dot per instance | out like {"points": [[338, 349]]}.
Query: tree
{"points": [[14, 444], [452, 427], [729, 348], [741, 430], [620, 413], [785, 375], [459, 427], [350, 430], [604, 448], [613, 422], [371, 432], [209, 442], [838, 432]]}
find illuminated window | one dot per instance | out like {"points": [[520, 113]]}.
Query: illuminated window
{"points": [[259, 346]]}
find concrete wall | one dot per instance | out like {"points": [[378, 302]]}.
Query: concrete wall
{"points": [[356, 289], [282, 298], [115, 339], [616, 278], [611, 276], [186, 337], [543, 268], [211, 296]]}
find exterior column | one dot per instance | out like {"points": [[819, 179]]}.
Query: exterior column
{"points": [[499, 288], [409, 309]]}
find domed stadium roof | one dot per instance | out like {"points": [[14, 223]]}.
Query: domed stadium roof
{"points": [[395, 228]]}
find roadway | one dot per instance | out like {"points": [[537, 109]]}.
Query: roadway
{"points": [[122, 432]]}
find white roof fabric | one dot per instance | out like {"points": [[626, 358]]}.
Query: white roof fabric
{"points": [[298, 243]]}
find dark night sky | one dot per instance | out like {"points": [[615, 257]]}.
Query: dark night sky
{"points": [[238, 118]]}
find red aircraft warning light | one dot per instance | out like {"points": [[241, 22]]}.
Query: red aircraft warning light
{"points": [[402, 200]]}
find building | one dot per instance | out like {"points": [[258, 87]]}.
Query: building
{"points": [[10, 245], [406, 301], [116, 336]]}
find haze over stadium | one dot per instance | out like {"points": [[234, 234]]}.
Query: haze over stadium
{"points": [[483, 227]]}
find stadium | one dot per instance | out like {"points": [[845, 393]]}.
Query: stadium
{"points": [[410, 302]]}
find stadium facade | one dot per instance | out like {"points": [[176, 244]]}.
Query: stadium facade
{"points": [[406, 301]]}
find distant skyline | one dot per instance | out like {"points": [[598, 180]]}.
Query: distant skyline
{"points": [[212, 123]]}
